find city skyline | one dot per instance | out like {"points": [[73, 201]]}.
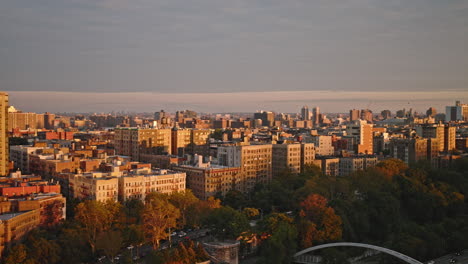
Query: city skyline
{"points": [[285, 101]]}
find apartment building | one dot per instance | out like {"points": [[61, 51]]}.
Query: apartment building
{"points": [[210, 180], [362, 132], [349, 165], [138, 183], [134, 141], [255, 162], [4, 147]]}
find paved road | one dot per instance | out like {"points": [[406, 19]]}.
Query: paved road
{"points": [[462, 259]]}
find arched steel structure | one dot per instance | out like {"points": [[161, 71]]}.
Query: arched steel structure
{"points": [[350, 244]]}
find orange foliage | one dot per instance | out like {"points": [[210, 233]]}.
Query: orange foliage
{"points": [[391, 167], [319, 222]]}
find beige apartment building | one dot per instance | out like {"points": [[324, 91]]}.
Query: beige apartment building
{"points": [[122, 186], [331, 166], [208, 181], [181, 139], [292, 157], [307, 154], [450, 138], [4, 164], [23, 121], [433, 131], [255, 162], [140, 182], [95, 186], [286, 157], [349, 165], [198, 141], [409, 150], [323, 144], [362, 132], [134, 141]]}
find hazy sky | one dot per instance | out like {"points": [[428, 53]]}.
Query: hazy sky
{"points": [[172, 48]]}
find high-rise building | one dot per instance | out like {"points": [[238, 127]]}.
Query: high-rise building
{"points": [[4, 164], [305, 113], [307, 155], [459, 112], [354, 115], [449, 138], [286, 157], [432, 131], [133, 142], [386, 114], [431, 112], [323, 144], [159, 115], [199, 141], [362, 132], [49, 120], [409, 150], [366, 114], [267, 117], [254, 161], [209, 180], [316, 116], [180, 140]]}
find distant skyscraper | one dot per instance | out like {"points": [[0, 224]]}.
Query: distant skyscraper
{"points": [[316, 116], [354, 115], [401, 113], [366, 114], [159, 115], [386, 114], [305, 113], [268, 118], [4, 166], [431, 112], [459, 112], [49, 120]]}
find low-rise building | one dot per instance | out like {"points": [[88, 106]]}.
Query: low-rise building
{"points": [[95, 186], [20, 215], [138, 183]]}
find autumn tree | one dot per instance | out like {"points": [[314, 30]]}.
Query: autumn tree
{"points": [[42, 250], [227, 222], [17, 254], [318, 222], [197, 213], [110, 243], [281, 245], [183, 201], [391, 167], [95, 218], [158, 217], [251, 213]]}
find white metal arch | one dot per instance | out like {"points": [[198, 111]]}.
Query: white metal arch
{"points": [[350, 244]]}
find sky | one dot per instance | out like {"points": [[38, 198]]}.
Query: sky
{"points": [[243, 55]]}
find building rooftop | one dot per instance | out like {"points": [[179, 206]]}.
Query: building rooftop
{"points": [[5, 217]]}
